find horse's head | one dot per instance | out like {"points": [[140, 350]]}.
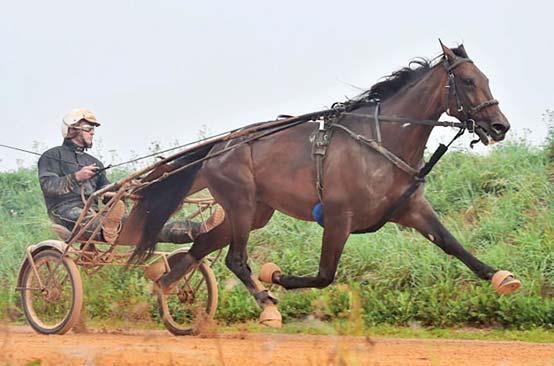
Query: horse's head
{"points": [[469, 98]]}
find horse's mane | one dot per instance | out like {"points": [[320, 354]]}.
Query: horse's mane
{"points": [[397, 80]]}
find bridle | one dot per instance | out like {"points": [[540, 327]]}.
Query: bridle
{"points": [[451, 88]]}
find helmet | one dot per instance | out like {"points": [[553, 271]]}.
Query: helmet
{"points": [[74, 116]]}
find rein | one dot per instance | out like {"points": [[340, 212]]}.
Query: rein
{"points": [[426, 122]]}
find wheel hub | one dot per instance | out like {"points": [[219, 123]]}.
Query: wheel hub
{"points": [[52, 294], [186, 295]]}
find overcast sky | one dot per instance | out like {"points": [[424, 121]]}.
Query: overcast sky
{"points": [[160, 70]]}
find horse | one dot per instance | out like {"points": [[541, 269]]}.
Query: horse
{"points": [[359, 188]]}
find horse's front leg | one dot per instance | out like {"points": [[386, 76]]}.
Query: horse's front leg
{"points": [[421, 216], [337, 230]]}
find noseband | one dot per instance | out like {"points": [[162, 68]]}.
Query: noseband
{"points": [[451, 87]]}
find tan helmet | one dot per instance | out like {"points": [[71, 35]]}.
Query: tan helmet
{"points": [[74, 116]]}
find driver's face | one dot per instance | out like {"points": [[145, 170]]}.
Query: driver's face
{"points": [[85, 134]]}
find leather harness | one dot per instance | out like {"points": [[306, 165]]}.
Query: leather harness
{"points": [[322, 139]]}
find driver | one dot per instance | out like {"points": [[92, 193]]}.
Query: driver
{"points": [[69, 175]]}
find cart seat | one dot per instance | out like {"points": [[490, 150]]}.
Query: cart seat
{"points": [[61, 231]]}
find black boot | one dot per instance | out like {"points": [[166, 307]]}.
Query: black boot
{"points": [[184, 231], [179, 232]]}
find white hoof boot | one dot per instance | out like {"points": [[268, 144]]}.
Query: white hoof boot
{"points": [[267, 271], [271, 317], [504, 282]]}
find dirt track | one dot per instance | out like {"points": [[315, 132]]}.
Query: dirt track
{"points": [[20, 345]]}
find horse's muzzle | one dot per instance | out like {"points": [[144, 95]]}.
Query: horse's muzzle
{"points": [[498, 130], [492, 132]]}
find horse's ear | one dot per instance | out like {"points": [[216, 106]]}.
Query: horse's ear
{"points": [[447, 52], [463, 52]]}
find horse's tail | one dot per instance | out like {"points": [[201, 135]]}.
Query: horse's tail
{"points": [[159, 201]]}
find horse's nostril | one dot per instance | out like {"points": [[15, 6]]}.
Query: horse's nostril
{"points": [[499, 128]]}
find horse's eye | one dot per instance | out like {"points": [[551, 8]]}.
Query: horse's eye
{"points": [[468, 81]]}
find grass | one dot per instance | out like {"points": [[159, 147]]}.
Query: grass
{"points": [[499, 206], [315, 327]]}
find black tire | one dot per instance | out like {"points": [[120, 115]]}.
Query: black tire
{"points": [[56, 309], [192, 302]]}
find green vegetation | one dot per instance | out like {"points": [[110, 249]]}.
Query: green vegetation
{"points": [[499, 206]]}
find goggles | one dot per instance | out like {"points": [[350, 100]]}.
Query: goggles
{"points": [[86, 128]]}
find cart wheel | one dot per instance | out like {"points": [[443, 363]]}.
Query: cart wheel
{"points": [[56, 308], [192, 300]]}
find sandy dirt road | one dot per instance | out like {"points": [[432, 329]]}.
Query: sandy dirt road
{"points": [[21, 346]]}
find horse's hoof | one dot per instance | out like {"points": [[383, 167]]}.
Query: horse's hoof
{"points": [[271, 317], [504, 282], [267, 271]]}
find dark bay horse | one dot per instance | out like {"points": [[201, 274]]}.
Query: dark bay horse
{"points": [[277, 172]]}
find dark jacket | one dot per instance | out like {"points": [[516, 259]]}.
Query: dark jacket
{"points": [[56, 172]]}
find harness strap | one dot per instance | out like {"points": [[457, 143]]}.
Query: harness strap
{"points": [[419, 179], [320, 144], [380, 149], [426, 122], [376, 121], [457, 62]]}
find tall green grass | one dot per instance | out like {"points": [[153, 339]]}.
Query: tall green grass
{"points": [[499, 206]]}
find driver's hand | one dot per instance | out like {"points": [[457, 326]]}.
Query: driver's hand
{"points": [[86, 172]]}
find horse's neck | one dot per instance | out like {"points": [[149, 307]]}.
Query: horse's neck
{"points": [[421, 101]]}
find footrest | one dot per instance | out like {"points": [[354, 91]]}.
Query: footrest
{"points": [[61, 231]]}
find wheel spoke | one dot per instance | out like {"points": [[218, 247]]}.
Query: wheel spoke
{"points": [[51, 272], [193, 298], [66, 277]]}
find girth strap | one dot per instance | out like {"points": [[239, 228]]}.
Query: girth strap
{"points": [[322, 138]]}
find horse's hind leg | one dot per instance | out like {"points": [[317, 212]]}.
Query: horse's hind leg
{"points": [[237, 257], [220, 236], [421, 216], [211, 241], [203, 245]]}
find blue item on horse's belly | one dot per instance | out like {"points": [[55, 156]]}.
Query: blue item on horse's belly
{"points": [[317, 213]]}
